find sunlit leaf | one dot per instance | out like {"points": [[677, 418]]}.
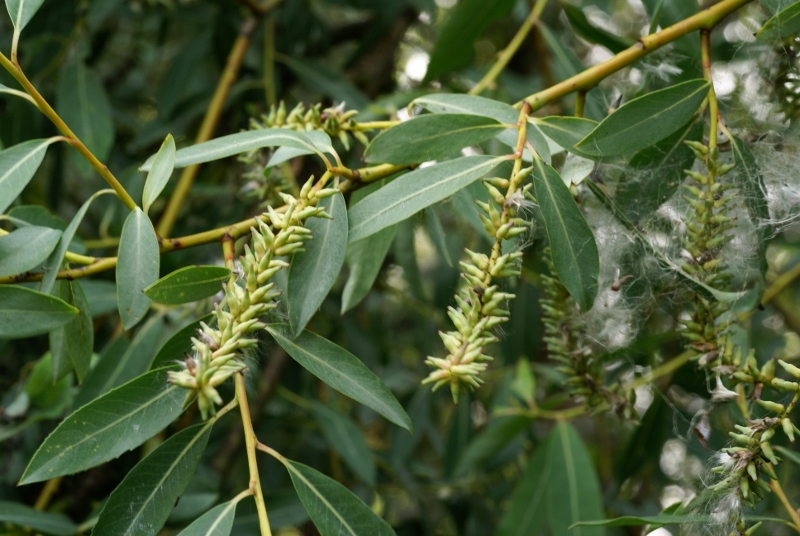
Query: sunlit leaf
{"points": [[452, 103], [430, 137], [313, 272], [25, 312], [22, 11], [341, 370], [414, 191], [17, 166], [527, 512], [26, 248], [233, 144], [144, 499], [188, 284], [216, 522], [137, 267], [100, 431], [572, 243], [645, 120], [160, 172], [334, 509]]}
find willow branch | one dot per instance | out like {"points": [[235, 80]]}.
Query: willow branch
{"points": [[586, 80]]}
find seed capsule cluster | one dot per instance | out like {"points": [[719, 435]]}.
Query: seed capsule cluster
{"points": [[567, 345], [480, 302], [217, 352], [336, 122], [707, 231]]}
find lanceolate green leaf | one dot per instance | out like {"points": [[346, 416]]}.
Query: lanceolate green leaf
{"points": [[566, 131], [123, 363], [22, 11], [346, 438], [341, 370], [527, 513], [574, 494], [188, 284], [783, 24], [233, 144], [137, 267], [24, 516], [334, 509], [449, 103], [25, 312], [160, 172], [414, 191], [144, 499], [82, 103], [100, 431], [645, 120], [313, 272], [572, 243], [216, 522], [53, 263], [365, 259], [430, 137], [71, 346], [26, 248], [17, 166]]}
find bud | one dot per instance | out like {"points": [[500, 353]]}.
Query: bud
{"points": [[791, 369]]}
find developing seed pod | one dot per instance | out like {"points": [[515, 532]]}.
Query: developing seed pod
{"points": [[791, 369]]}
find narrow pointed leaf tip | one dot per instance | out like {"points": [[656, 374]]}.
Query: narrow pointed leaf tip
{"points": [[160, 172], [645, 120]]}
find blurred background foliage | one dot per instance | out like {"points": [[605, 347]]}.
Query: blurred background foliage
{"points": [[151, 67]]}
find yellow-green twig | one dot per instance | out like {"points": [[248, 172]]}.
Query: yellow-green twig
{"points": [[507, 53], [586, 80], [252, 464]]}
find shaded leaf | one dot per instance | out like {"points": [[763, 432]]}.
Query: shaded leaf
{"points": [[142, 502], [497, 435], [137, 267], [17, 167], [341, 370], [574, 493], [572, 244], [346, 438], [233, 144], [430, 137], [188, 284], [584, 27], [100, 431], [784, 23], [313, 272], [24, 516], [334, 509], [755, 195], [504, 113], [435, 230], [25, 312], [567, 131], [25, 249], [120, 363], [159, 174], [216, 522], [465, 24], [22, 11], [327, 81], [172, 351], [365, 259], [82, 103], [414, 191], [71, 346], [646, 120], [527, 512], [53, 263], [656, 173]]}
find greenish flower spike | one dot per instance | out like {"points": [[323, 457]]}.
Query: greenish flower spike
{"points": [[217, 352]]}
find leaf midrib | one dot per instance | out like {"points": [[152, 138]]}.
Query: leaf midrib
{"points": [[319, 496], [19, 163]]}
